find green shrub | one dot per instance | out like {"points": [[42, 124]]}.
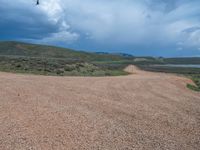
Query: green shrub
{"points": [[193, 87], [18, 65]]}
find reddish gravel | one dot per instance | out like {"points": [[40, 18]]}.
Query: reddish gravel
{"points": [[150, 111]]}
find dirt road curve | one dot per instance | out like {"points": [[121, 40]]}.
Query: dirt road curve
{"points": [[149, 111]]}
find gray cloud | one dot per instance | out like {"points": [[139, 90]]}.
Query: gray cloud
{"points": [[153, 25]]}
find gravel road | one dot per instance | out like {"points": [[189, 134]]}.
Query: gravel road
{"points": [[141, 111]]}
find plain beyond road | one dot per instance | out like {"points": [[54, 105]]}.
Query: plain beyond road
{"points": [[183, 66]]}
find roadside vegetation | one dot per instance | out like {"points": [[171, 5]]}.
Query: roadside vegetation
{"points": [[49, 60], [196, 80], [57, 67]]}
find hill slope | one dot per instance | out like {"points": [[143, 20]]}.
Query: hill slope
{"points": [[50, 60], [33, 50]]}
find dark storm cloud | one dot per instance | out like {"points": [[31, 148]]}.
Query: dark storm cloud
{"points": [[22, 22], [137, 26]]}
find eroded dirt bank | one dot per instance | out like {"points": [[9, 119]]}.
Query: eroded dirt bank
{"points": [[140, 111]]}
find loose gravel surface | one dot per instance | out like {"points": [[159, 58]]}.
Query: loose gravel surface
{"points": [[142, 111]]}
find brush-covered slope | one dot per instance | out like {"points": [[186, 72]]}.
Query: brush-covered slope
{"points": [[42, 51], [51, 60]]}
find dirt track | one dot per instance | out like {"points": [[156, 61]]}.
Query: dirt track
{"points": [[151, 111]]}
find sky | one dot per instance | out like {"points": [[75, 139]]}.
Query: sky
{"points": [[168, 28]]}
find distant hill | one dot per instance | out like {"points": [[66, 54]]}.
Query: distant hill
{"points": [[50, 60], [21, 57], [13, 48], [123, 54], [119, 54]]}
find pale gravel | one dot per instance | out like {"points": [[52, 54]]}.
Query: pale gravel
{"points": [[142, 111]]}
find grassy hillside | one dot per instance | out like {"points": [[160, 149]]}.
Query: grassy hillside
{"points": [[17, 49], [42, 51], [50, 60]]}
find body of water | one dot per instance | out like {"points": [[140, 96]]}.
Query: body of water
{"points": [[184, 66]]}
